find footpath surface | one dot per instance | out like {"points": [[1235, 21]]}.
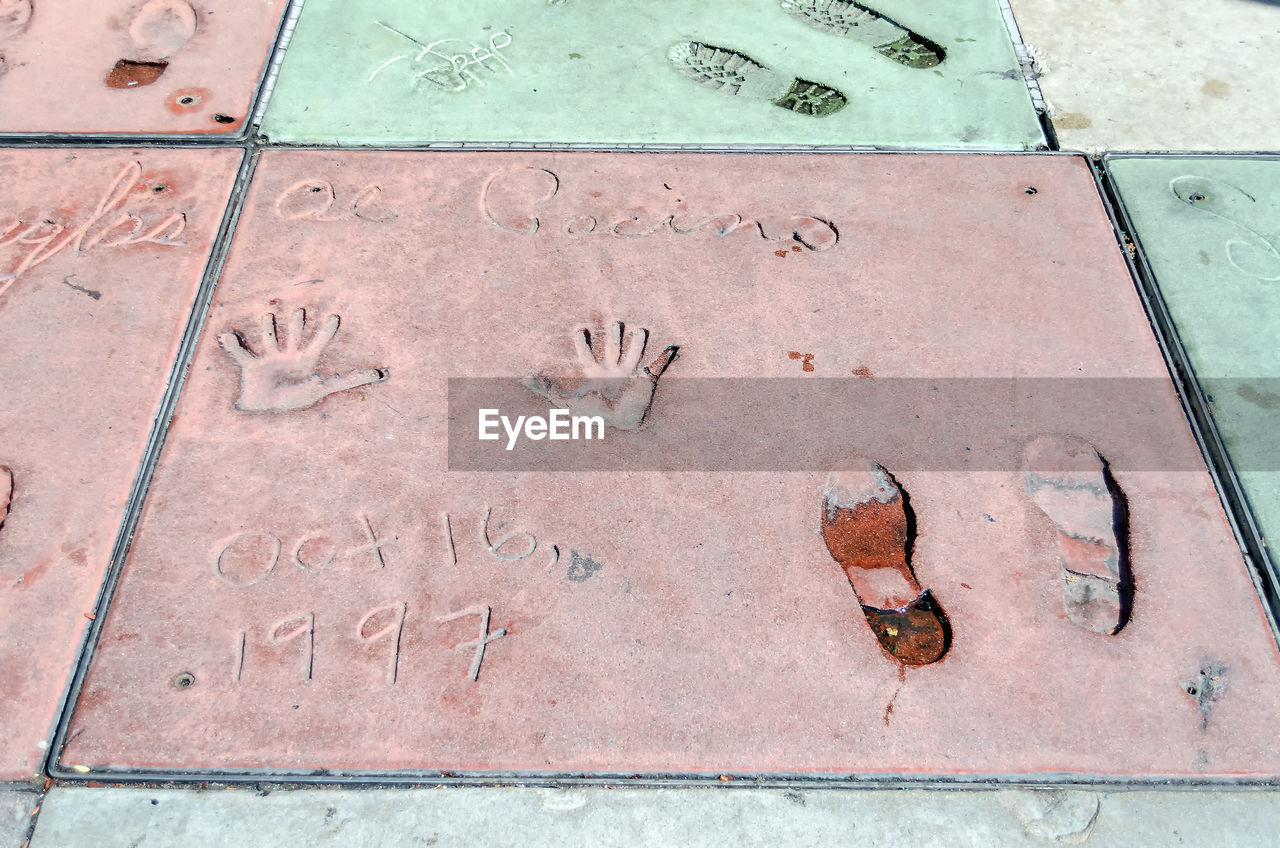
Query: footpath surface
{"points": [[935, 469]]}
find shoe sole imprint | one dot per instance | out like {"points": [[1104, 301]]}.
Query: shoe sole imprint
{"points": [[853, 20], [868, 527], [160, 29], [736, 73], [1071, 484]]}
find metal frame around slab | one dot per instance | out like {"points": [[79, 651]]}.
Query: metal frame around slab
{"points": [[244, 135], [1264, 568], [286, 778]]}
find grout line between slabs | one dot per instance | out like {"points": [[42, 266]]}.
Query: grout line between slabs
{"points": [[272, 74], [151, 456], [1261, 569], [1025, 60]]}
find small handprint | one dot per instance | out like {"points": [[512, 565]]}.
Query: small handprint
{"points": [[615, 387], [283, 377]]}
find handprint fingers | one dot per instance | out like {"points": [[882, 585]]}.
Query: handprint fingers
{"points": [[582, 345], [613, 345], [669, 354], [297, 321], [324, 335], [315, 388], [270, 342], [635, 350], [233, 343], [284, 377], [355, 379], [617, 388]]}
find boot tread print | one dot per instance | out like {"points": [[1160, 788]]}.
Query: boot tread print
{"points": [[737, 73], [861, 23]]}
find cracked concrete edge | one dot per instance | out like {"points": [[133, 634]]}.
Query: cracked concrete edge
{"points": [[125, 817], [1028, 58]]}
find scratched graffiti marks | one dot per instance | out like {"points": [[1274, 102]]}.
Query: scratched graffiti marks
{"points": [[1250, 251], [123, 217], [250, 559], [448, 64]]}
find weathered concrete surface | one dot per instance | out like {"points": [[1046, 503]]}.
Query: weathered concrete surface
{"points": [[128, 66], [15, 816], [101, 252], [1141, 75], [575, 71], [240, 818], [309, 580], [1210, 228]]}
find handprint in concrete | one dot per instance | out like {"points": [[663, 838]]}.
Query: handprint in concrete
{"points": [[283, 377], [612, 384]]}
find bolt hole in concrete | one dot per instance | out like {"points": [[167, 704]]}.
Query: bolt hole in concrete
{"points": [[1195, 197], [188, 100], [1030, 190], [185, 680], [224, 119]]}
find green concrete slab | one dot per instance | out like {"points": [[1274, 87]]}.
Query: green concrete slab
{"points": [[1210, 230], [390, 72]]}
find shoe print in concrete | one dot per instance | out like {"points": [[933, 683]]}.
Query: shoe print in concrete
{"points": [[909, 74], [1070, 483], [866, 25], [733, 73], [869, 529], [159, 67]]}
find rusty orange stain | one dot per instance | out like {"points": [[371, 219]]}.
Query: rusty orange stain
{"points": [[806, 364]]}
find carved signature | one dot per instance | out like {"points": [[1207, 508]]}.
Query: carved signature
{"points": [[510, 196], [451, 62], [47, 237]]}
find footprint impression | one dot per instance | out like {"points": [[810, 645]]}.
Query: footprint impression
{"points": [[14, 17], [860, 23], [1072, 485], [159, 30], [869, 529], [736, 73]]}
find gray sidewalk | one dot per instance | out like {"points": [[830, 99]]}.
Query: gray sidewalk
{"points": [[690, 817]]}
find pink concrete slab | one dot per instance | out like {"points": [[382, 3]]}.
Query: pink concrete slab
{"points": [[312, 588], [132, 66], [101, 252]]}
